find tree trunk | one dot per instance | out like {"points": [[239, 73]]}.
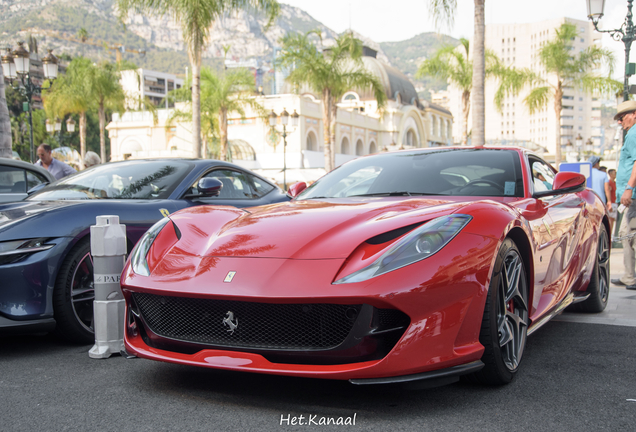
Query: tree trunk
{"points": [[465, 112], [102, 126], [223, 133], [558, 105], [196, 108], [326, 127], [332, 128], [478, 132], [5, 124], [82, 131]]}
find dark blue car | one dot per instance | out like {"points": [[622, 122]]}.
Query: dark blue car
{"points": [[45, 263]]}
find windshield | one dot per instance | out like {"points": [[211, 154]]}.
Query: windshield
{"points": [[138, 179], [469, 172]]}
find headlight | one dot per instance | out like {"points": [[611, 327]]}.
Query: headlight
{"points": [[13, 251], [138, 256], [421, 243]]}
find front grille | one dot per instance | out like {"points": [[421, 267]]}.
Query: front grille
{"points": [[312, 326]]}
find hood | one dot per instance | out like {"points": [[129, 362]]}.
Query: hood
{"points": [[307, 229], [11, 214]]}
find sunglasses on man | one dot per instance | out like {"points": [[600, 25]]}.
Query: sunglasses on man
{"points": [[620, 119]]}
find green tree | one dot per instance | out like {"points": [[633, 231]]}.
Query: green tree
{"points": [[109, 95], [72, 93], [5, 123], [443, 11], [196, 18], [221, 94], [562, 70], [453, 64], [330, 74]]}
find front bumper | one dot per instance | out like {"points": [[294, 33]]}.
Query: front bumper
{"points": [[27, 290], [442, 296]]}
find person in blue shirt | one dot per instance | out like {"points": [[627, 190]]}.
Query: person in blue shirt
{"points": [[625, 184], [58, 168], [600, 180]]}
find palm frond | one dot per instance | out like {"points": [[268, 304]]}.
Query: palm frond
{"points": [[537, 98]]}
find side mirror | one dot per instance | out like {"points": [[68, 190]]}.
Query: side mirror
{"points": [[296, 188], [210, 186], [564, 182]]}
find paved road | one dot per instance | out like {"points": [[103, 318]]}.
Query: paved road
{"points": [[579, 374]]}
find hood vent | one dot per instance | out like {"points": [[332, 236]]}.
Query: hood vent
{"points": [[392, 235]]}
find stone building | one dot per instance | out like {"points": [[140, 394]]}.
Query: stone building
{"points": [[405, 122]]}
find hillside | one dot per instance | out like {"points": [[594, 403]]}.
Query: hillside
{"points": [[55, 24]]}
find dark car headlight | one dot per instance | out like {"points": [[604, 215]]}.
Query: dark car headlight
{"points": [[138, 257], [15, 250], [419, 244]]}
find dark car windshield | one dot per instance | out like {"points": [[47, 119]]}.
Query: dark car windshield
{"points": [[467, 172], [140, 179]]}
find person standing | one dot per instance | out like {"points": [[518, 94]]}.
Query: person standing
{"points": [[600, 180], [625, 184], [613, 206], [58, 168]]}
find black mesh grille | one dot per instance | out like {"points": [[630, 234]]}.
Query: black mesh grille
{"points": [[260, 325]]}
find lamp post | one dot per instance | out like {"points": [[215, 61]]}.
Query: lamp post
{"points": [[579, 145], [17, 64], [626, 34], [55, 128], [284, 121]]}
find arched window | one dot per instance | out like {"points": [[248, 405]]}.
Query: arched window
{"points": [[410, 138], [372, 148], [344, 146], [312, 142], [359, 148]]}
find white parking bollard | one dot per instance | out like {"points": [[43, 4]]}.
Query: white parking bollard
{"points": [[108, 247]]}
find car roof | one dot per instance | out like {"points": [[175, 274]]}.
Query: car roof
{"points": [[27, 166]]}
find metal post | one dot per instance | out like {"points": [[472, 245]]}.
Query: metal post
{"points": [[108, 247], [285, 158]]}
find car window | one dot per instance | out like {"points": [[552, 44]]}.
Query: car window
{"points": [[542, 175], [468, 172], [138, 179], [261, 187], [34, 179], [236, 184], [12, 180]]}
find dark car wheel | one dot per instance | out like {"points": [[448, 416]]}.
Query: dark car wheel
{"points": [[599, 283], [74, 294], [505, 323]]}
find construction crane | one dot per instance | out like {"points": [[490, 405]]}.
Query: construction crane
{"points": [[82, 38]]}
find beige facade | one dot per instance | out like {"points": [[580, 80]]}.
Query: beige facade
{"points": [[361, 129], [518, 45], [153, 85]]}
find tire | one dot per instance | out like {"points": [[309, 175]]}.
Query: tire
{"points": [[505, 323], [74, 294], [599, 282]]}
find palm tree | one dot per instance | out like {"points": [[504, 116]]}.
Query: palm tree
{"points": [[72, 93], [330, 74], [221, 94], [108, 94], [5, 123], [453, 64], [443, 11], [196, 18], [563, 70]]}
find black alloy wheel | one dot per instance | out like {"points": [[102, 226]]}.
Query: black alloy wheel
{"points": [[74, 294], [505, 323]]}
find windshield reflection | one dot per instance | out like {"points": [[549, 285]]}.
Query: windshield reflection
{"points": [[446, 172], [119, 180]]}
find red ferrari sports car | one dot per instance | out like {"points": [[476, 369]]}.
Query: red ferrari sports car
{"points": [[413, 265]]}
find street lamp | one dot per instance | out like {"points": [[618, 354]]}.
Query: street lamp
{"points": [[626, 33], [579, 144], [284, 120], [17, 64], [55, 128]]}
